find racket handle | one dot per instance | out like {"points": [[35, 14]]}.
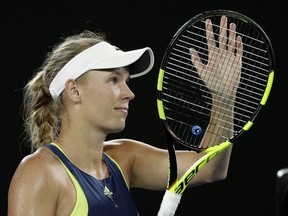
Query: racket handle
{"points": [[169, 204]]}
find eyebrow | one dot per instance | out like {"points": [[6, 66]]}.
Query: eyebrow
{"points": [[119, 73]]}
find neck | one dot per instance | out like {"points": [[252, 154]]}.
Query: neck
{"points": [[83, 144], [86, 154]]}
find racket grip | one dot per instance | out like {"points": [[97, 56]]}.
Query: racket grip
{"points": [[169, 204]]}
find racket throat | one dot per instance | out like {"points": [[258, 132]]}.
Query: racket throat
{"points": [[173, 174]]}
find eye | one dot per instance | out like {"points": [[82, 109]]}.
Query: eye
{"points": [[114, 80]]}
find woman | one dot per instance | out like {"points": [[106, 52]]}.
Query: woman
{"points": [[78, 97]]}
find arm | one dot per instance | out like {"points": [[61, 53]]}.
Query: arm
{"points": [[145, 166], [149, 166], [221, 75]]}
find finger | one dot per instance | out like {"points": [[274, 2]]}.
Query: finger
{"points": [[239, 45], [232, 35], [196, 60], [209, 34], [223, 33]]}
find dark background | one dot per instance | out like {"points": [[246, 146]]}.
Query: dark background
{"points": [[30, 28]]}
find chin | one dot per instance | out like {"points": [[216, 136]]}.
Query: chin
{"points": [[115, 126], [118, 129]]}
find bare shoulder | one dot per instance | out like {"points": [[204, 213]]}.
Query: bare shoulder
{"points": [[123, 151], [128, 146], [41, 162], [40, 178], [140, 162], [35, 170]]}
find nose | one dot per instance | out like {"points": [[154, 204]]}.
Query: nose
{"points": [[127, 93]]}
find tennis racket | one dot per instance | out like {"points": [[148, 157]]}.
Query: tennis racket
{"points": [[209, 95]]}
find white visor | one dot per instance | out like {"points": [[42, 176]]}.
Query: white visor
{"points": [[102, 56]]}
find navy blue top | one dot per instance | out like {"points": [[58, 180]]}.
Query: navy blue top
{"points": [[98, 203]]}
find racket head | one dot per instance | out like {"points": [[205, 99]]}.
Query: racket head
{"points": [[184, 102]]}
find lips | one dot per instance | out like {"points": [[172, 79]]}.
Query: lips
{"points": [[122, 109]]}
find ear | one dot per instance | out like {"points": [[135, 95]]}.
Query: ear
{"points": [[72, 90]]}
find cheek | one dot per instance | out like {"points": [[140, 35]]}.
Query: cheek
{"points": [[102, 99], [108, 94], [99, 97]]}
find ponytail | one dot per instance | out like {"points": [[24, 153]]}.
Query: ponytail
{"points": [[40, 114]]}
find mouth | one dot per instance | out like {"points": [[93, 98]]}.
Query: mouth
{"points": [[122, 110]]}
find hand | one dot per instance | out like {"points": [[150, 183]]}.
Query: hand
{"points": [[221, 74]]}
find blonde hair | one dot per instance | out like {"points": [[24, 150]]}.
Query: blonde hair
{"points": [[41, 112]]}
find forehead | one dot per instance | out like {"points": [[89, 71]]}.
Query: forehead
{"points": [[119, 70], [123, 71]]}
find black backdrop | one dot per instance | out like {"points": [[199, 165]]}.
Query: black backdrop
{"points": [[29, 29]]}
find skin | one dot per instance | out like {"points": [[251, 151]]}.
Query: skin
{"points": [[96, 105]]}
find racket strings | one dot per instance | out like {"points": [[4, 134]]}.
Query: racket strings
{"points": [[243, 35], [181, 125], [193, 82], [187, 103], [260, 67], [181, 74], [263, 79], [200, 43], [186, 106], [205, 90], [207, 98], [227, 127]]}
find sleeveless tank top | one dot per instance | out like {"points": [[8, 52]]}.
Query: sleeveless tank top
{"points": [[90, 198]]}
